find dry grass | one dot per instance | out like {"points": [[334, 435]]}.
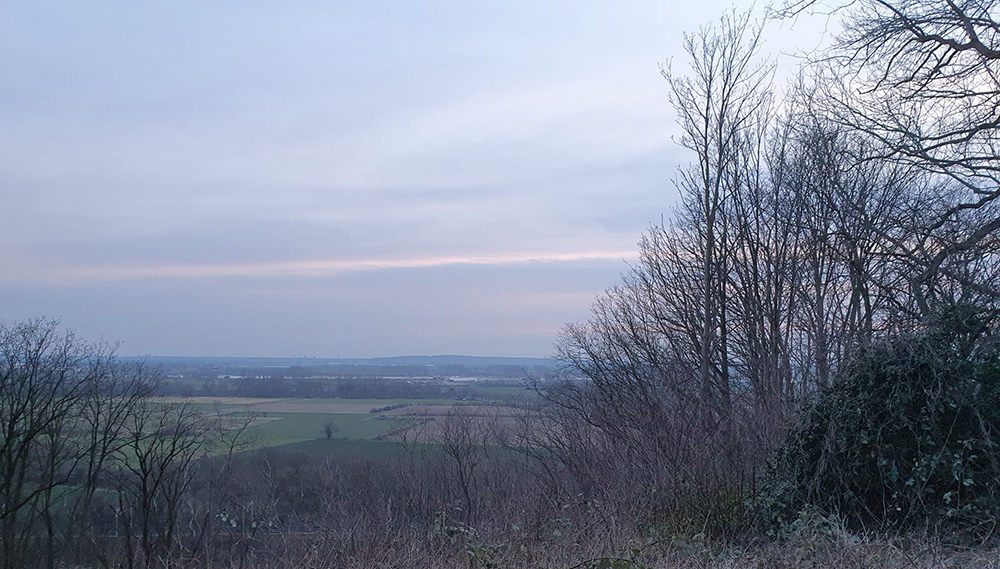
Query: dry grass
{"points": [[386, 552]]}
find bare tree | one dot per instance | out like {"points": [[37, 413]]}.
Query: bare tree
{"points": [[63, 405], [919, 79], [158, 462], [330, 427], [662, 352], [723, 98], [467, 438], [117, 391]]}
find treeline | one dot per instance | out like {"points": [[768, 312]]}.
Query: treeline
{"points": [[820, 232]]}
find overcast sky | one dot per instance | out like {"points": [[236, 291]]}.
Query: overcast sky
{"points": [[330, 178]]}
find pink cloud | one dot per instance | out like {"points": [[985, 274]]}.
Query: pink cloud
{"points": [[306, 267]]}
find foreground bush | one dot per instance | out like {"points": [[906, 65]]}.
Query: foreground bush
{"points": [[906, 437]]}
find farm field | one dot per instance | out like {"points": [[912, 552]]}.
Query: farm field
{"points": [[358, 427]]}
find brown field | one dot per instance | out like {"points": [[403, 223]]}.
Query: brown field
{"points": [[220, 400]]}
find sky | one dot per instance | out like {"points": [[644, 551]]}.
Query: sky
{"points": [[331, 179]]}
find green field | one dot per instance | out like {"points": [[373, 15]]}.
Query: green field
{"points": [[345, 450], [273, 429], [300, 424]]}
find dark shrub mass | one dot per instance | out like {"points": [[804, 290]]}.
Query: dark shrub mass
{"points": [[907, 436]]}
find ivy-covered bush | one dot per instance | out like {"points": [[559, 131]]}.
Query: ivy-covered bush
{"points": [[907, 436]]}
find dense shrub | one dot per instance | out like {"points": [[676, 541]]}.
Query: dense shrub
{"points": [[905, 437]]}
